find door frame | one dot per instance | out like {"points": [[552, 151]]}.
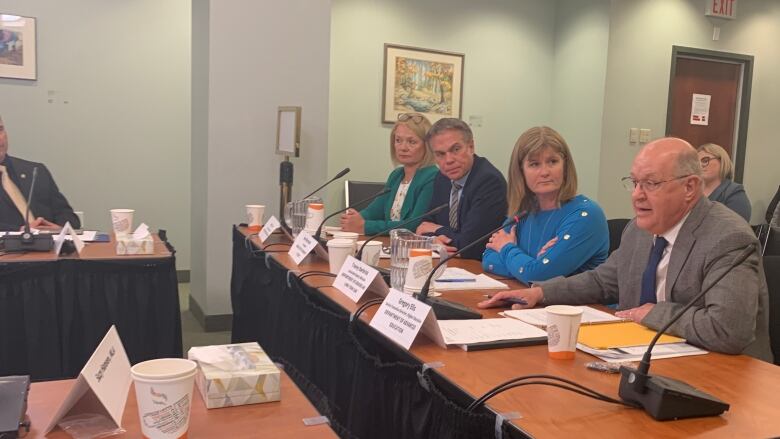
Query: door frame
{"points": [[746, 61]]}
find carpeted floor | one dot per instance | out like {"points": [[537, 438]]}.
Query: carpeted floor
{"points": [[192, 332]]}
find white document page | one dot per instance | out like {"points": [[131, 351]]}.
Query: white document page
{"points": [[460, 279], [538, 316]]}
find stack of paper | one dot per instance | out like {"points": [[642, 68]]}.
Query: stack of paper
{"points": [[490, 333], [538, 316], [635, 353], [460, 279]]}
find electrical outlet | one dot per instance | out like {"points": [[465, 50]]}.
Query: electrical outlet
{"points": [[644, 135], [633, 135]]}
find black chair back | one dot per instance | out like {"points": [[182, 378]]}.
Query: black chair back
{"points": [[772, 271], [616, 226], [355, 191], [771, 241]]}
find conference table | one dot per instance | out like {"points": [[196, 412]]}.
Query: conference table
{"points": [[278, 419], [371, 387], [54, 310]]}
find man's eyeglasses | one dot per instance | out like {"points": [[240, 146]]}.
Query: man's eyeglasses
{"points": [[705, 161], [414, 117], [630, 183]]}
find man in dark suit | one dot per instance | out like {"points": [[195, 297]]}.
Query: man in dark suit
{"points": [[473, 187], [677, 245], [49, 210]]}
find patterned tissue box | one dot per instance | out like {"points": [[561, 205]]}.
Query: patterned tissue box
{"points": [[127, 245], [235, 374]]}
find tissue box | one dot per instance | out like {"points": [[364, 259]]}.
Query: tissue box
{"points": [[127, 245], [235, 374]]}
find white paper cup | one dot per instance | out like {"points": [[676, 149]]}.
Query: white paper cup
{"points": [[122, 221], [563, 326], [338, 250], [163, 388], [254, 216], [315, 214], [352, 236], [371, 252], [420, 266]]}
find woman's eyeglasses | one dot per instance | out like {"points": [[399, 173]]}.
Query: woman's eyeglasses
{"points": [[705, 161], [414, 117]]}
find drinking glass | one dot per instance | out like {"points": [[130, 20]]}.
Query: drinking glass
{"points": [[401, 240]]}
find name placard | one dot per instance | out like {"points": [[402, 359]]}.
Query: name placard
{"points": [[355, 278], [302, 246], [400, 318], [102, 385], [269, 227]]}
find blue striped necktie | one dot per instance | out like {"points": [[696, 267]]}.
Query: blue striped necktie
{"points": [[649, 276]]}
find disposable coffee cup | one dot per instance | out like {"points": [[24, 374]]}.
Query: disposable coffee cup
{"points": [[254, 216], [563, 326], [122, 221], [420, 266], [338, 250], [352, 236], [315, 214], [371, 252], [163, 388]]}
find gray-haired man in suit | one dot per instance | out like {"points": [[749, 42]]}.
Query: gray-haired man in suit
{"points": [[678, 244]]}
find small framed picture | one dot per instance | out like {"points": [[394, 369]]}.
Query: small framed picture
{"points": [[422, 81], [17, 47]]}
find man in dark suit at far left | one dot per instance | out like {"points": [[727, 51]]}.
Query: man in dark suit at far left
{"points": [[49, 210]]}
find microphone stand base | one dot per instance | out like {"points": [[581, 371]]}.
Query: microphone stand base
{"points": [[666, 399], [33, 243], [446, 310]]}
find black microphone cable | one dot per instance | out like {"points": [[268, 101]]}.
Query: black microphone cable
{"points": [[548, 380]]}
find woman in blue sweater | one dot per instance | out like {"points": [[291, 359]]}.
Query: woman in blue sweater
{"points": [[560, 233], [410, 184]]}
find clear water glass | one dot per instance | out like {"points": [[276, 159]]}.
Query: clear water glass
{"points": [[295, 213], [401, 241]]}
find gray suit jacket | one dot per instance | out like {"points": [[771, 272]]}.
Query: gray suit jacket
{"points": [[731, 318]]}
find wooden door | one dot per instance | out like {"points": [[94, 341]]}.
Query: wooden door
{"points": [[718, 79]]}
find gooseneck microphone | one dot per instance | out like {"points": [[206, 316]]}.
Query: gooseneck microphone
{"points": [[398, 226], [665, 398], [371, 198], [444, 309], [283, 221], [343, 172], [27, 241]]}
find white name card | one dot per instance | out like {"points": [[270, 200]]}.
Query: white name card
{"points": [[269, 227], [355, 278], [102, 385], [400, 318], [302, 246], [67, 233]]}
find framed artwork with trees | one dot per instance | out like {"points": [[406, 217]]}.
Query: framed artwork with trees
{"points": [[423, 81]]}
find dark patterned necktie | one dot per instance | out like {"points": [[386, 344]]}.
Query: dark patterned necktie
{"points": [[454, 204]]}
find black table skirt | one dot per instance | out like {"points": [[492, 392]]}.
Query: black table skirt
{"points": [[367, 386], [54, 314]]}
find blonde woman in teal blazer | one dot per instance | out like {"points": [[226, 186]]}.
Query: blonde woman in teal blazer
{"points": [[410, 184]]}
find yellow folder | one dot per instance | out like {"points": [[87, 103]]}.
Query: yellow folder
{"points": [[618, 335]]}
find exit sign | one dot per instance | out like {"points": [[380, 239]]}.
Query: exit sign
{"points": [[721, 8]]}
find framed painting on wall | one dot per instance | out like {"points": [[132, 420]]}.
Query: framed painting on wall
{"points": [[422, 81], [17, 47]]}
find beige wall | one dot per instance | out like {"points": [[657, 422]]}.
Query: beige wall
{"points": [[642, 33], [116, 132]]}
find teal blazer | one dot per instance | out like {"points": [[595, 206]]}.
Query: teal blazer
{"points": [[418, 197]]}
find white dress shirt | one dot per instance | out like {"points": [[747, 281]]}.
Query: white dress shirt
{"points": [[663, 266]]}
